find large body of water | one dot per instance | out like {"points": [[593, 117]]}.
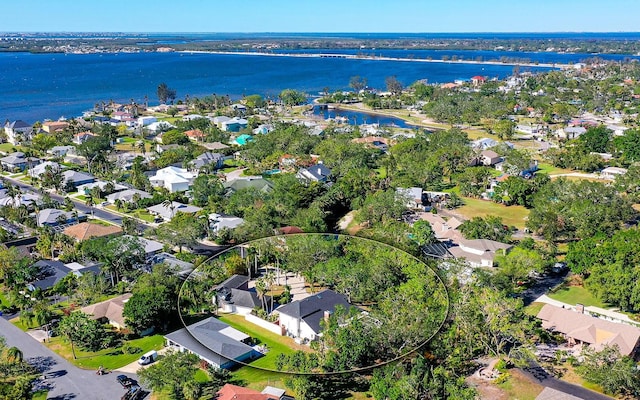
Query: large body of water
{"points": [[40, 86]]}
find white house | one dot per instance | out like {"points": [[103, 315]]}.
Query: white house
{"points": [[479, 252], [168, 211], [217, 222], [213, 341], [571, 132], [146, 120], [412, 196], [18, 132], [612, 172], [301, 319], [172, 178]]}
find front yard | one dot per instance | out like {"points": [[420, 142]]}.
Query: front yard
{"points": [[140, 214], [111, 358], [511, 215], [255, 378], [576, 295]]}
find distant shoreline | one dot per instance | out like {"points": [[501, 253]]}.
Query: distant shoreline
{"points": [[378, 58]]}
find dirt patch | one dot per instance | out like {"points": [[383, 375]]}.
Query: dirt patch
{"points": [[486, 389]]}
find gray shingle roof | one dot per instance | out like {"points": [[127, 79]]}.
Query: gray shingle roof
{"points": [[205, 339], [311, 309]]}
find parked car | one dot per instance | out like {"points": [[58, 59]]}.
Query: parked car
{"points": [[148, 358], [134, 392], [125, 381]]}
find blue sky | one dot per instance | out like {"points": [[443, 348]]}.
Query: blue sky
{"points": [[320, 16]]}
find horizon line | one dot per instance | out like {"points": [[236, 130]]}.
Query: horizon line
{"points": [[325, 32]]}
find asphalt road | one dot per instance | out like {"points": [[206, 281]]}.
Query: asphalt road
{"points": [[65, 381], [96, 211]]}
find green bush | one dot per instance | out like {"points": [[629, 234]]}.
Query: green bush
{"points": [[131, 349]]}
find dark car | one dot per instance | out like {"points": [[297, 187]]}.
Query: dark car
{"points": [[124, 380], [133, 393]]}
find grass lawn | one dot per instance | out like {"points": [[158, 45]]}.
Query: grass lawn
{"points": [[4, 302], [276, 344], [520, 387], [551, 170], [576, 295], [81, 197], [9, 148], [533, 308], [40, 395], [201, 376], [109, 358], [511, 215], [141, 214]]}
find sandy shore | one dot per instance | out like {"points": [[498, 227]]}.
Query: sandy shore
{"points": [[378, 58]]}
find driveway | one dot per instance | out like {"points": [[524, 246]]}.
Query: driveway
{"points": [[64, 381], [538, 375]]}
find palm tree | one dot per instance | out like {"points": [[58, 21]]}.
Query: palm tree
{"points": [[261, 288], [14, 355], [89, 203], [270, 279], [169, 205], [118, 204]]}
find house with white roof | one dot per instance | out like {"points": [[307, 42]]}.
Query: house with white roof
{"points": [[40, 169], [411, 196], [217, 222], [127, 196], [61, 151], [172, 178], [234, 124], [612, 172]]}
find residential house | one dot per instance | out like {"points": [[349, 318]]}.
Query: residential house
{"points": [[85, 231], [18, 161], [127, 196], [151, 247], [80, 138], [570, 132], [146, 120], [192, 117], [102, 185], [214, 342], [580, 328], [242, 140], [233, 392], [40, 169], [288, 230], [443, 229], [17, 132], [78, 269], [484, 143], [214, 160], [412, 197], [218, 222], [377, 142], [235, 281], [168, 211], [182, 268], [214, 146], [61, 151], [54, 126], [234, 124], [239, 301], [160, 148], [219, 120], [77, 178], [54, 217], [316, 173], [489, 158], [612, 172], [256, 182], [159, 126], [263, 129], [195, 135], [479, 252], [25, 199], [49, 273], [478, 80], [301, 319], [173, 179], [109, 311]]}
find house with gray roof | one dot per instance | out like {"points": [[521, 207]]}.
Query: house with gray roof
{"points": [[218, 222], [316, 173], [18, 132], [40, 169], [126, 196], [215, 342], [50, 272], [301, 319], [61, 151], [215, 160], [18, 160], [168, 211], [54, 217], [77, 178], [256, 182]]}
